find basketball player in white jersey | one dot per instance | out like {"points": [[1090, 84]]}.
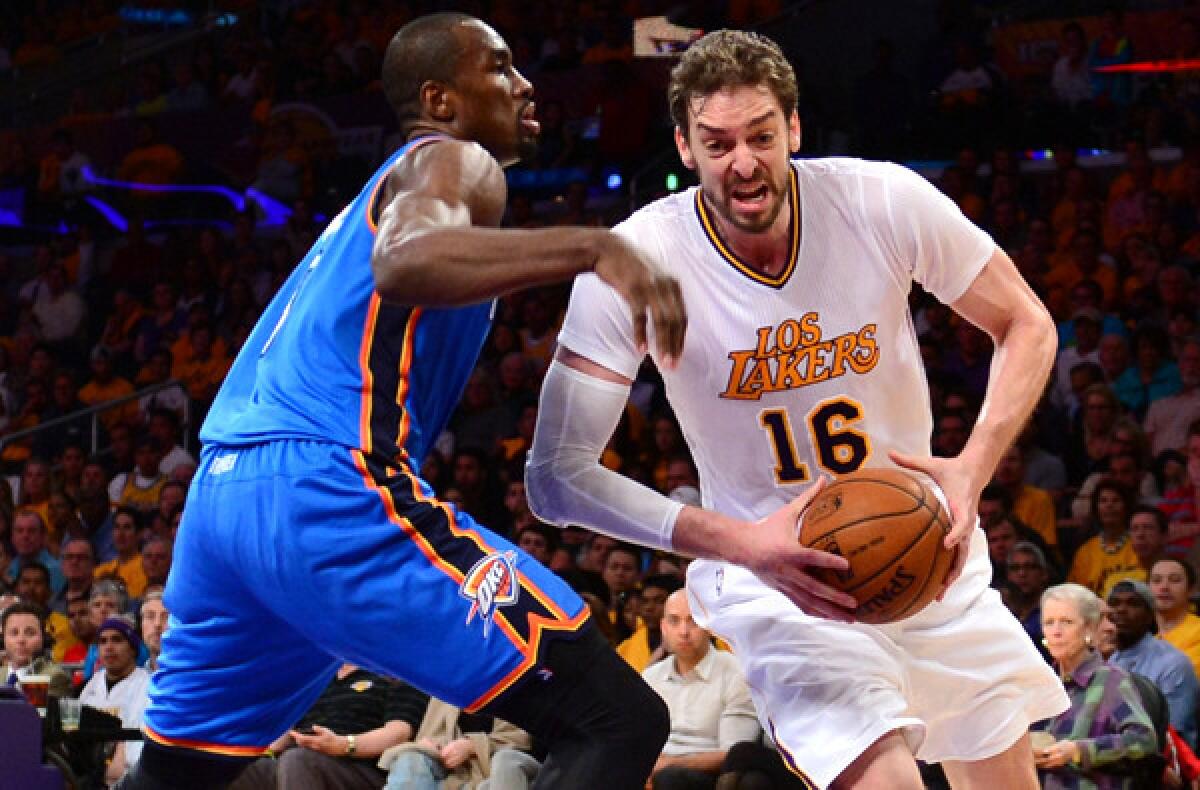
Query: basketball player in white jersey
{"points": [[801, 363]]}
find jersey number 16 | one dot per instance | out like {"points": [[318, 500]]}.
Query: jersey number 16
{"points": [[840, 449]]}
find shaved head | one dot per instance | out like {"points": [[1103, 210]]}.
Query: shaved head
{"points": [[426, 49]]}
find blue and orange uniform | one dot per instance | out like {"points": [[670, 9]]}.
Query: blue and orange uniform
{"points": [[308, 537]]}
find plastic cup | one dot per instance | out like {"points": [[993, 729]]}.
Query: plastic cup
{"points": [[68, 712]]}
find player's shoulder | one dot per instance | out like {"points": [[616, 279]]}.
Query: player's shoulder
{"points": [[662, 215], [850, 168]]}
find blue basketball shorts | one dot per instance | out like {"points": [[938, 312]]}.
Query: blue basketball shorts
{"points": [[294, 556]]}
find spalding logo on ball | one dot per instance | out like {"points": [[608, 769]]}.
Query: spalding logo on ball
{"points": [[890, 527]]}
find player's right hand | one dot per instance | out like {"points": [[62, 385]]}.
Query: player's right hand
{"points": [[648, 289], [780, 561]]}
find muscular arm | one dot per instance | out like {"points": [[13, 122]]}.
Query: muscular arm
{"points": [[565, 483], [1002, 304], [437, 244]]}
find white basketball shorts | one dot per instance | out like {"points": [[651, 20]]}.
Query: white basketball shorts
{"points": [[961, 679]]}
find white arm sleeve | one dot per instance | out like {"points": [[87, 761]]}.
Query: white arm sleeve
{"points": [[564, 481]]}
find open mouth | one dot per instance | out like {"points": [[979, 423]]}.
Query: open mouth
{"points": [[750, 197], [528, 120]]}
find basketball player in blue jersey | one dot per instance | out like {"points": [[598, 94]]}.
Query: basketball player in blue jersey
{"points": [[308, 539]]}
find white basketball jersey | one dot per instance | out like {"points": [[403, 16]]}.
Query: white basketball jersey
{"points": [[816, 371]]}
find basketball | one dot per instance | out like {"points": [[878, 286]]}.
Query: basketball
{"points": [[890, 526]]}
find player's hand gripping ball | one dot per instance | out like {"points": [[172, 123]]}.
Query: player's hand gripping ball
{"points": [[891, 528]]}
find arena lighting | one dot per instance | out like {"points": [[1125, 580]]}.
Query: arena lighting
{"points": [[613, 181], [114, 217], [672, 182], [274, 212], [1152, 66]]}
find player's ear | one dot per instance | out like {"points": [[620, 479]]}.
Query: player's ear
{"points": [[685, 152], [794, 132], [438, 101]]}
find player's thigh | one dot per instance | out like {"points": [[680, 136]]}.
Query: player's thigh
{"points": [[825, 691], [413, 588], [977, 679], [1012, 768]]}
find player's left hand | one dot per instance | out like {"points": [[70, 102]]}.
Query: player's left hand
{"points": [[1056, 755], [961, 490], [323, 740]]}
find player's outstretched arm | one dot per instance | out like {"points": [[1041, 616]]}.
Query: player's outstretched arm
{"points": [[565, 483], [438, 244]]}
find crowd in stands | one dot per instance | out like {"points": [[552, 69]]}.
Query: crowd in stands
{"points": [[1102, 488]]}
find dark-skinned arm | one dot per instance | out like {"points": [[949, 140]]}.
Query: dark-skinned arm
{"points": [[438, 244]]}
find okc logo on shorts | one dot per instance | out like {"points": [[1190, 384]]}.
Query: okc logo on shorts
{"points": [[490, 584]]}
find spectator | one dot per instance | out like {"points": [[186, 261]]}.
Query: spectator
{"points": [[1086, 321], [539, 541], [60, 311], [1173, 580], [1124, 466], [1148, 536], [187, 94], [950, 436], [154, 624], [621, 570], [1090, 444], [33, 586], [95, 513], [108, 598], [105, 386], [140, 487], [34, 492], [156, 560], [121, 684], [137, 261], [1131, 607], [78, 567], [165, 431], [127, 565], [1072, 79], [206, 366], [335, 744], [151, 160], [1028, 578], [708, 701], [71, 459], [1154, 376], [83, 630], [452, 749], [29, 543], [1108, 555], [646, 646], [1030, 504], [173, 399], [1106, 708], [1168, 418], [23, 628]]}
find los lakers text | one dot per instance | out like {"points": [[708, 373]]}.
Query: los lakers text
{"points": [[794, 355]]}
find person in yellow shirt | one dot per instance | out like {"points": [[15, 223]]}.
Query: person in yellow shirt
{"points": [[1172, 580], [203, 373], [1033, 505], [127, 566], [1109, 554], [645, 646], [33, 586], [106, 386]]}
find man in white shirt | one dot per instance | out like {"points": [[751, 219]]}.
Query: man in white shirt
{"points": [[707, 697]]}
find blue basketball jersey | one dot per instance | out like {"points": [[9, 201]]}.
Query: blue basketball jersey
{"points": [[330, 360]]}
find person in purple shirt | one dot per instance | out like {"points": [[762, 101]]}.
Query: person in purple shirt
{"points": [[1107, 723]]}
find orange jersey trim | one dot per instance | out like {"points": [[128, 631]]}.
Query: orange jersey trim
{"points": [[364, 365], [406, 357], [205, 746], [710, 230]]}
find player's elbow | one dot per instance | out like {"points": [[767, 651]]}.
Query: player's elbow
{"points": [[397, 270], [544, 491]]}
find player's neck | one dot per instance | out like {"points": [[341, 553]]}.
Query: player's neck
{"points": [[767, 252]]}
